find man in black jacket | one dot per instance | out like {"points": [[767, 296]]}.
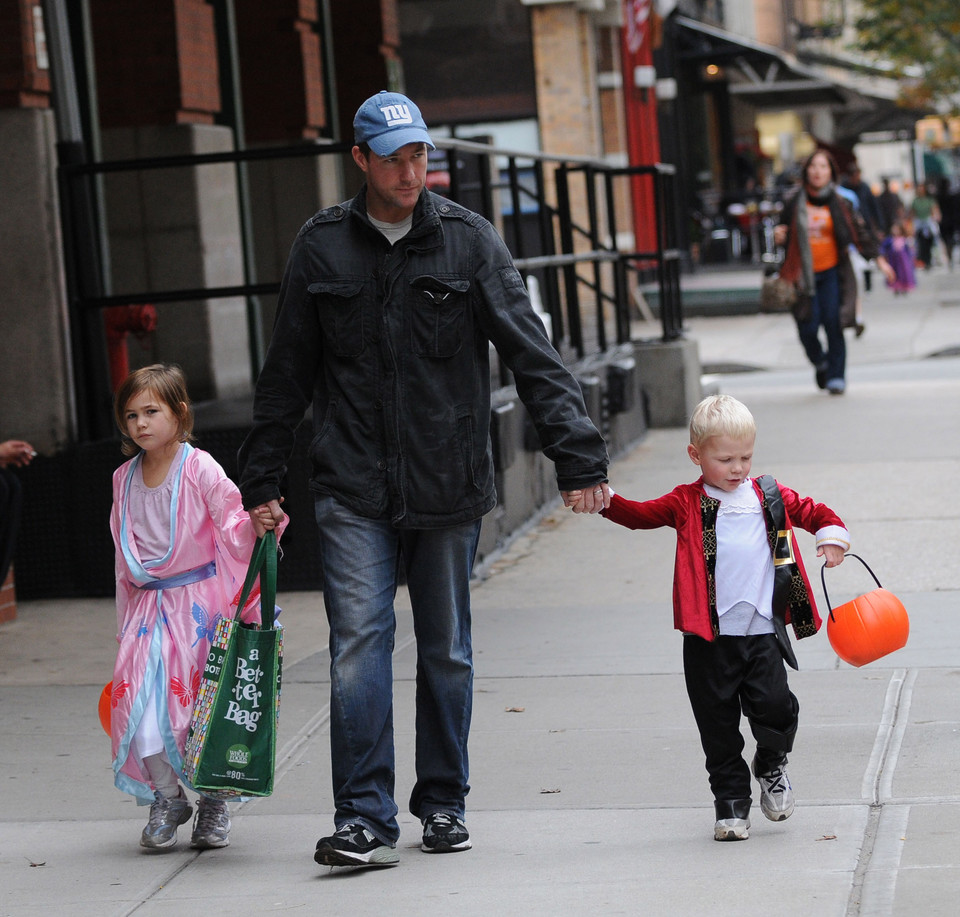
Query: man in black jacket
{"points": [[387, 309]]}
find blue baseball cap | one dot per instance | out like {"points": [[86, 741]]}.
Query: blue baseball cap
{"points": [[388, 121]]}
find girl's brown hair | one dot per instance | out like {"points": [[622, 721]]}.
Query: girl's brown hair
{"points": [[168, 383]]}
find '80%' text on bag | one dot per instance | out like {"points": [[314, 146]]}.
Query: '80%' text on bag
{"points": [[231, 745]]}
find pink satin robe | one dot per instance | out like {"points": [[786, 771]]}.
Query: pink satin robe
{"points": [[164, 634]]}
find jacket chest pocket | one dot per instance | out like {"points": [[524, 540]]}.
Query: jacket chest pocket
{"points": [[438, 313], [339, 305]]}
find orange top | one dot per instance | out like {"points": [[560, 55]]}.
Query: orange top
{"points": [[823, 243]]}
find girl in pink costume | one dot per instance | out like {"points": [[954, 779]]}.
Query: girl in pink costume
{"points": [[183, 543], [898, 250]]}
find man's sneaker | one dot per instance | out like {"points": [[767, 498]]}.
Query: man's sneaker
{"points": [[731, 829], [444, 833], [211, 829], [167, 813], [776, 794], [354, 845]]}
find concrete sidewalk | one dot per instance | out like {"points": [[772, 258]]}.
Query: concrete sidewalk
{"points": [[589, 793]]}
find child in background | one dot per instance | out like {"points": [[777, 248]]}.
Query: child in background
{"points": [[183, 543], [898, 250], [723, 597]]}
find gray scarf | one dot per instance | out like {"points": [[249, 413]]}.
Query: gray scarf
{"points": [[807, 283]]}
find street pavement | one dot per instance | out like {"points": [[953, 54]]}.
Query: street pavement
{"points": [[589, 794]]}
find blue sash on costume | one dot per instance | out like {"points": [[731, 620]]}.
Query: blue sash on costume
{"points": [[184, 579]]}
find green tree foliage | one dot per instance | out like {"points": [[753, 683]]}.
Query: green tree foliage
{"points": [[921, 40]]}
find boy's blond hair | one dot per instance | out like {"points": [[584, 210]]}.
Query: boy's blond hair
{"points": [[721, 415]]}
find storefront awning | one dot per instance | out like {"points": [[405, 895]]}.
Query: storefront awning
{"points": [[764, 75]]}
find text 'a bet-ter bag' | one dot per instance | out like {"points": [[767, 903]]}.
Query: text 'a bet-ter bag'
{"points": [[232, 740]]}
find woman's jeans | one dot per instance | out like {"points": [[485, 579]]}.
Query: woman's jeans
{"points": [[825, 310], [362, 560]]}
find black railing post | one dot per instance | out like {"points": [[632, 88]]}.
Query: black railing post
{"points": [[569, 270], [551, 288], [514, 180], [621, 294], [590, 177]]}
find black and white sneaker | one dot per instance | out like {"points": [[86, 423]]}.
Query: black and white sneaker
{"points": [[444, 833], [354, 845], [731, 829], [776, 794]]}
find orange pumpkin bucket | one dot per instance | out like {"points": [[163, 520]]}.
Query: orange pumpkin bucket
{"points": [[103, 706], [867, 627]]}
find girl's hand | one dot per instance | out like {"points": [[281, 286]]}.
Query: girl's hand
{"points": [[884, 266], [266, 517]]}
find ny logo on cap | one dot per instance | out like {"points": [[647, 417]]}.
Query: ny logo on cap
{"points": [[396, 115]]}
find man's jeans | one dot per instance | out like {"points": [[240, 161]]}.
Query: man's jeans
{"points": [[825, 310], [361, 561]]}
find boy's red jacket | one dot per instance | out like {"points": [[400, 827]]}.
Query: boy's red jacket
{"points": [[681, 509]]}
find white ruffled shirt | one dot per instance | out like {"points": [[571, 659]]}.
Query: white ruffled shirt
{"points": [[744, 572]]}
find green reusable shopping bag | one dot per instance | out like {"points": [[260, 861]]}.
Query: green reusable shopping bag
{"points": [[231, 744]]}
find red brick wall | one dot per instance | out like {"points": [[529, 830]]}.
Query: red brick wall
{"points": [[156, 63], [566, 88], [366, 38], [23, 84], [281, 64]]}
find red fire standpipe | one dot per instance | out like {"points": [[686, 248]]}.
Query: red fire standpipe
{"points": [[121, 321]]}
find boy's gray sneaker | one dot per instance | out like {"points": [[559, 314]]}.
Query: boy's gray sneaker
{"points": [[167, 813], [444, 833], [731, 829], [354, 845], [776, 794], [212, 826]]}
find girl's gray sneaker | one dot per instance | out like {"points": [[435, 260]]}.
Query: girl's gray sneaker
{"points": [[212, 826], [167, 813]]}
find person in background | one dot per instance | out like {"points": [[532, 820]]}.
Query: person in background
{"points": [[948, 200], [16, 453], [817, 226], [870, 212], [891, 206], [925, 213], [861, 267]]}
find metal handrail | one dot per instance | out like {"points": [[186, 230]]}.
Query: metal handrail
{"points": [[543, 241]]}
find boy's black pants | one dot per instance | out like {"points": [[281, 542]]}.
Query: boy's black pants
{"points": [[725, 677]]}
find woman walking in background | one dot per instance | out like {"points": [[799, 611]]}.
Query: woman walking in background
{"points": [[817, 228]]}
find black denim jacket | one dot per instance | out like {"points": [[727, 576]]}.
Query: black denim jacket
{"points": [[391, 346]]}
